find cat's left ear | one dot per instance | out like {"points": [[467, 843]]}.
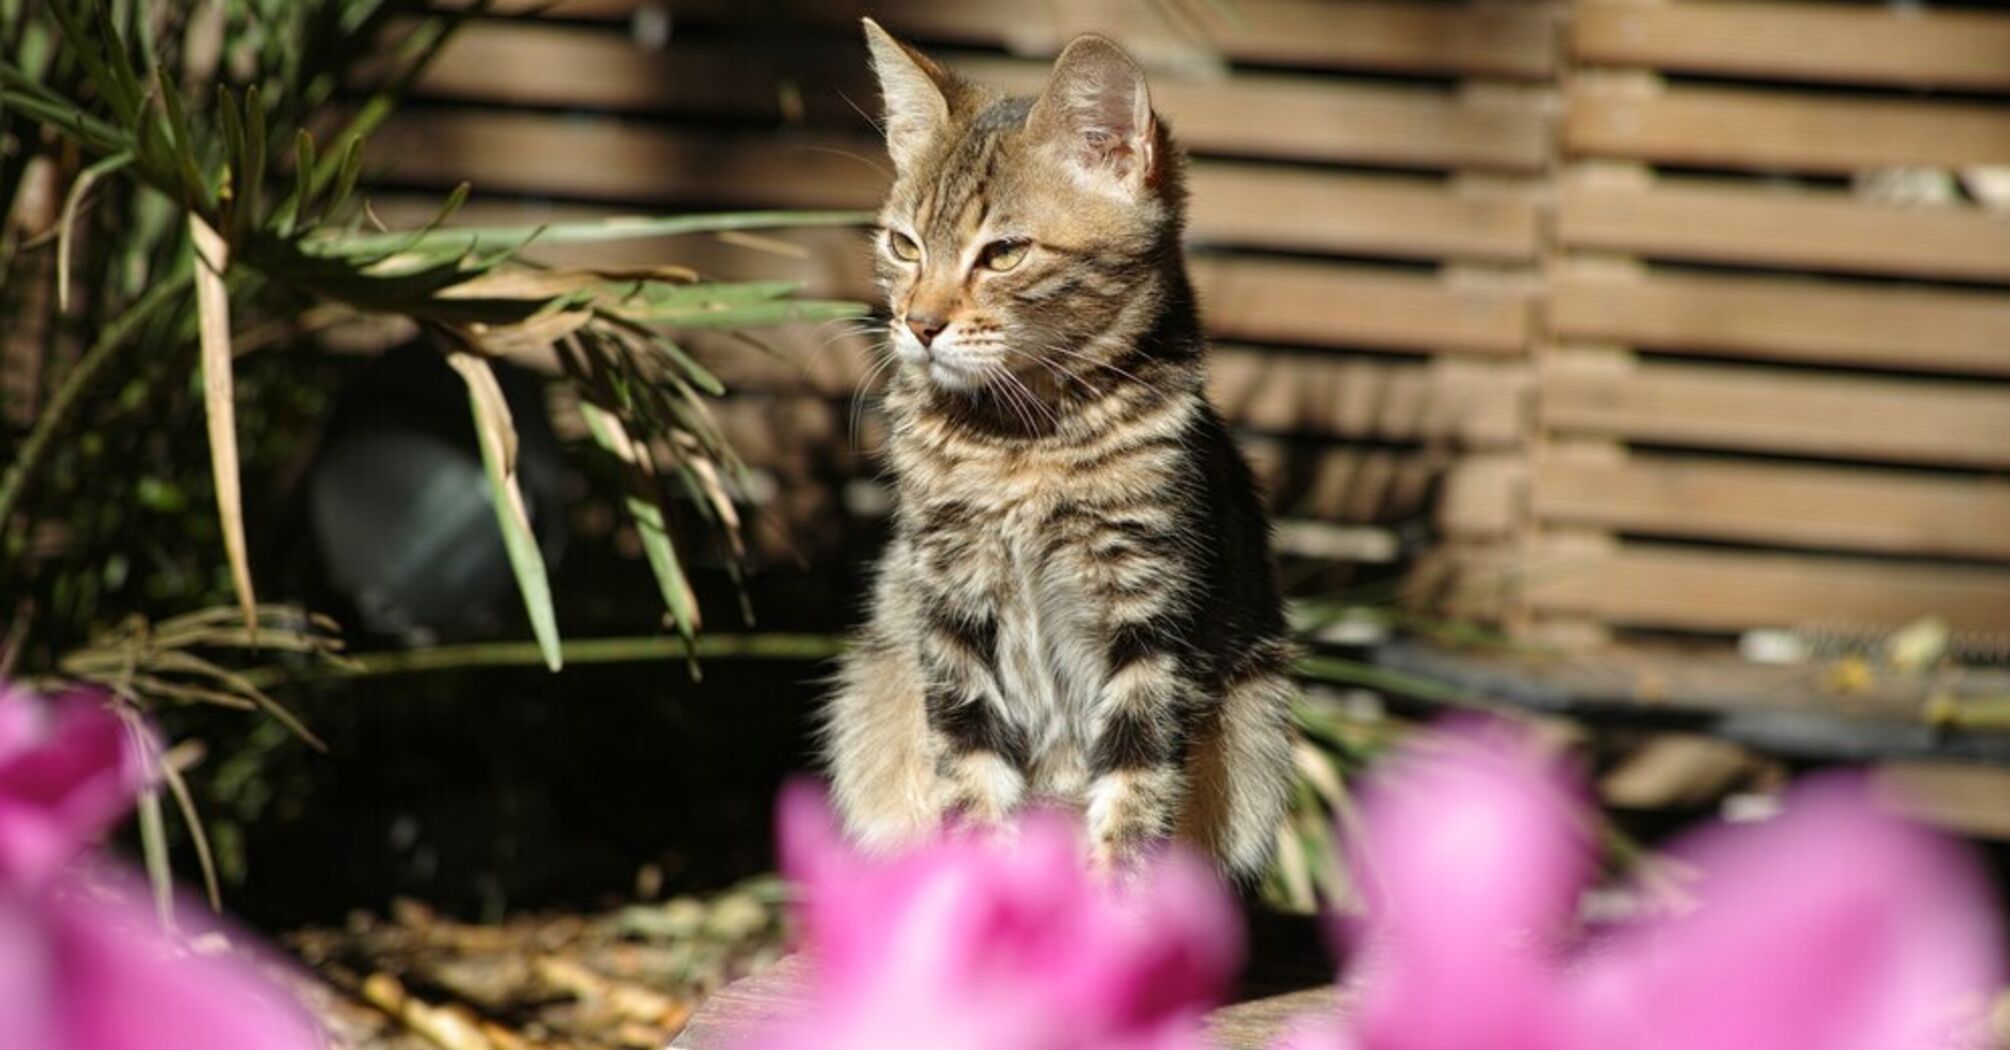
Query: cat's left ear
{"points": [[919, 95], [1097, 113]]}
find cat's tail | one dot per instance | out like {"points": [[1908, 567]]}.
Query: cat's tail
{"points": [[1240, 773]]}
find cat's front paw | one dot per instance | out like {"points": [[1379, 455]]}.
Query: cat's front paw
{"points": [[1130, 816], [981, 789]]}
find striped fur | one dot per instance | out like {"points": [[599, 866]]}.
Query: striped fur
{"points": [[1078, 604]]}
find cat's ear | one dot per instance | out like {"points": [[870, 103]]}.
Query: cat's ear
{"points": [[918, 94], [1097, 113]]}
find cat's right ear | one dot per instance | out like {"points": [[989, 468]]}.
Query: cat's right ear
{"points": [[917, 92]]}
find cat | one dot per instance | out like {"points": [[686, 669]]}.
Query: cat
{"points": [[1077, 606]]}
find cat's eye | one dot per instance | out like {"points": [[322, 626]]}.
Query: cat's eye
{"points": [[902, 246], [1000, 256]]}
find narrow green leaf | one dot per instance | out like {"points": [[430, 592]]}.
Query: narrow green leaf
{"points": [[194, 187], [154, 849], [644, 506], [74, 200], [84, 41], [602, 230], [756, 315], [67, 120], [303, 181], [705, 296], [496, 434], [205, 859], [252, 167], [346, 175], [662, 555], [230, 124]]}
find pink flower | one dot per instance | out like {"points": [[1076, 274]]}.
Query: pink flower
{"points": [[1472, 853], [1001, 943], [85, 965], [84, 961], [68, 772], [1836, 927], [1832, 928]]}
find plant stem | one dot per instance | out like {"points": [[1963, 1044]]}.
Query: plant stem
{"points": [[580, 651], [1352, 672], [79, 378]]}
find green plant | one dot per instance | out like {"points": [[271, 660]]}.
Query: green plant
{"points": [[180, 183], [244, 221]]}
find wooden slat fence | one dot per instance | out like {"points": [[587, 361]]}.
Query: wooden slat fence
{"points": [[1605, 295]]}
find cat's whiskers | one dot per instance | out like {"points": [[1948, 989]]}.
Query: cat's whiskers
{"points": [[1033, 401], [995, 377], [864, 386], [1093, 361]]}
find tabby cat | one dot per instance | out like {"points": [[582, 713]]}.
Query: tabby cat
{"points": [[1078, 605]]}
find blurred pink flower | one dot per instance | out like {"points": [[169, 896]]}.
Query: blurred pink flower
{"points": [[1001, 943], [85, 965], [68, 771], [1834, 927], [1471, 854], [84, 961]]}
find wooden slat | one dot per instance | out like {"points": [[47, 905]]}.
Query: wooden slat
{"points": [[1760, 227], [1775, 707], [1836, 508], [1473, 403], [1246, 205], [1235, 205], [1304, 118], [1917, 46], [1372, 486], [1733, 128], [1647, 585], [1791, 319], [1276, 116], [602, 68], [1397, 35], [1394, 35], [597, 158], [1320, 304], [1967, 799], [1764, 410]]}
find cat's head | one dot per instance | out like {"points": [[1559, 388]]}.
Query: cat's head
{"points": [[1025, 239]]}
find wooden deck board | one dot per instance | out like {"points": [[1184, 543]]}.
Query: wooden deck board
{"points": [[1780, 131], [1377, 35], [1751, 409], [1791, 319], [1782, 709], [1719, 221], [1824, 42]]}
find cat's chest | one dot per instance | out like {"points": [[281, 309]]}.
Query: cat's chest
{"points": [[1048, 661], [993, 547]]}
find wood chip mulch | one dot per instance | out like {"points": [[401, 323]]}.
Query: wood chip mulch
{"points": [[627, 979]]}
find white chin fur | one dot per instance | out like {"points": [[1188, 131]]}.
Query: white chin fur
{"points": [[952, 377]]}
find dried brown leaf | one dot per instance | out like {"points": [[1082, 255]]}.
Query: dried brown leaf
{"points": [[212, 300]]}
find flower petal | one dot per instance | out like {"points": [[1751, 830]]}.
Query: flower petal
{"points": [[1834, 927], [68, 772]]}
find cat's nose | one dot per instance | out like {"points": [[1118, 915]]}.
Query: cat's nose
{"points": [[925, 327]]}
